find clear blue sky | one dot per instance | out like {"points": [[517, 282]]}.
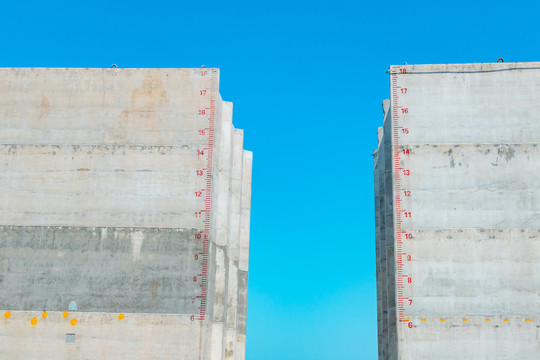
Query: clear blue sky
{"points": [[307, 79]]}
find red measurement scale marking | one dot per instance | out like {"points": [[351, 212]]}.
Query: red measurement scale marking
{"points": [[213, 73], [395, 73]]}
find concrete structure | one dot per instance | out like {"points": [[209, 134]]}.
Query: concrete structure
{"points": [[124, 216], [457, 192]]}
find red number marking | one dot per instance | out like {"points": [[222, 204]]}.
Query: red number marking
{"points": [[403, 90], [192, 317], [407, 193], [198, 193], [408, 214], [409, 257], [405, 130], [410, 302], [403, 71], [406, 151], [203, 92], [409, 280], [199, 172], [196, 256], [200, 152], [408, 236], [198, 214], [406, 172], [194, 279], [201, 132], [202, 112], [405, 110], [409, 325], [198, 236]]}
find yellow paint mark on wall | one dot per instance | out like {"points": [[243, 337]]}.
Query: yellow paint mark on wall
{"points": [[44, 315], [33, 321], [65, 314], [121, 316], [7, 314], [73, 322]]}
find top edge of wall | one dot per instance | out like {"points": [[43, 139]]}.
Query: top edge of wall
{"points": [[468, 67], [100, 68]]}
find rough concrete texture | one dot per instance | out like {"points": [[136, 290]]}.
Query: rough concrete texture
{"points": [[100, 335], [140, 270], [458, 213], [125, 196]]}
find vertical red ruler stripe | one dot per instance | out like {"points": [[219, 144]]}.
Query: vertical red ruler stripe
{"points": [[395, 73], [213, 73]]}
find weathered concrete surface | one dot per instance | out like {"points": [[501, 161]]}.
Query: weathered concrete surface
{"points": [[103, 106], [124, 191], [101, 185], [473, 339], [100, 336], [144, 270], [469, 211]]}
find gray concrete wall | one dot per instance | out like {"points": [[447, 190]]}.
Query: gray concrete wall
{"points": [[136, 270], [125, 191], [100, 335], [467, 244]]}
